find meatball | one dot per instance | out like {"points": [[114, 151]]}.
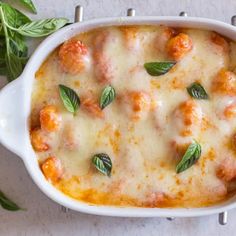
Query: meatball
{"points": [[39, 140], [52, 169], [50, 119], [71, 56], [178, 46]]}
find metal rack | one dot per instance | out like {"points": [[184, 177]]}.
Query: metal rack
{"points": [[223, 216]]}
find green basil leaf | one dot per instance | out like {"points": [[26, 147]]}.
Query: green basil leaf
{"points": [[3, 66], [42, 27], [108, 95], [158, 68], [14, 65], [3, 48], [7, 204], [17, 44], [196, 90], [103, 163], [69, 98], [190, 157], [3, 70], [1, 31], [13, 17], [30, 5]]}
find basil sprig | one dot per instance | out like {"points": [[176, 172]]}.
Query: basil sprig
{"points": [[102, 162], [190, 157], [108, 95], [14, 25], [41, 28], [8, 204], [30, 5], [196, 90], [69, 98], [158, 68]]}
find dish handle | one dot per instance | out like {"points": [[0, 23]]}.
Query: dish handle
{"points": [[13, 125]]}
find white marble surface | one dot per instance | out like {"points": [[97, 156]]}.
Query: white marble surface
{"points": [[43, 216]]}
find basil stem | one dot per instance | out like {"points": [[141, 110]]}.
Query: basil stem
{"points": [[14, 25]]}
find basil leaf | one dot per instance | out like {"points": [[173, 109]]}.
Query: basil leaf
{"points": [[158, 68], [17, 44], [2, 48], [3, 70], [190, 157], [3, 66], [108, 95], [7, 203], [14, 66], [1, 31], [13, 26], [13, 17], [103, 163], [30, 5], [196, 90], [41, 27], [13, 46], [69, 98]]}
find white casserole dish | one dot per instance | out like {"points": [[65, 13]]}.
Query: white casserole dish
{"points": [[15, 101]]}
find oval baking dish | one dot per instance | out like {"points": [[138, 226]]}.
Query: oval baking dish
{"points": [[15, 108]]}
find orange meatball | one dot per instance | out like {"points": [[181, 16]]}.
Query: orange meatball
{"points": [[49, 118], [52, 169], [71, 56], [162, 38], [188, 117], [178, 46], [188, 110], [104, 71], [234, 141], [140, 101], [38, 140], [179, 147], [220, 42], [70, 138], [156, 199], [130, 36], [227, 169], [230, 111], [92, 107], [224, 83], [137, 104]]}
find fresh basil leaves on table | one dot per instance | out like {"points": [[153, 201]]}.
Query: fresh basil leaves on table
{"points": [[14, 27], [30, 5], [8, 204]]}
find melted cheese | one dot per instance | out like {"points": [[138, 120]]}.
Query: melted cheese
{"points": [[144, 146]]}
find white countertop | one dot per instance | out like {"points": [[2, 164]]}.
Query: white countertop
{"points": [[43, 216]]}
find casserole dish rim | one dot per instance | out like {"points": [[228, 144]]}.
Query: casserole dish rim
{"points": [[21, 89]]}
